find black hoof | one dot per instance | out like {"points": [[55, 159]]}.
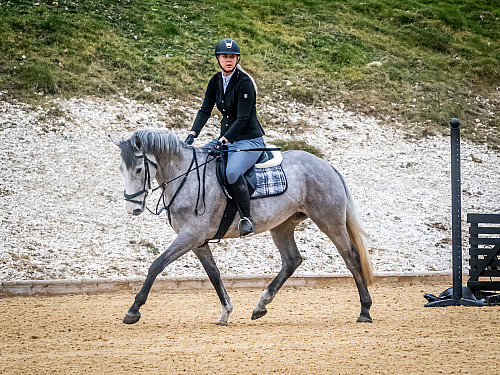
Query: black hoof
{"points": [[131, 319], [364, 319], [256, 314]]}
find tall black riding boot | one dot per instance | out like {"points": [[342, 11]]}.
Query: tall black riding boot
{"points": [[241, 195]]}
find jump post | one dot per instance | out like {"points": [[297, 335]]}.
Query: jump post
{"points": [[456, 232]]}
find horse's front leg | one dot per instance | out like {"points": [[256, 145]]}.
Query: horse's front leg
{"points": [[206, 258], [181, 245]]}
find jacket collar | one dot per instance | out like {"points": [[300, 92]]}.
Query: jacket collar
{"points": [[232, 81]]}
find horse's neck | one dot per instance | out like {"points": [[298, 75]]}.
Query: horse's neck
{"points": [[172, 165]]}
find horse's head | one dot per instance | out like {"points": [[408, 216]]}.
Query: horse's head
{"points": [[138, 169]]}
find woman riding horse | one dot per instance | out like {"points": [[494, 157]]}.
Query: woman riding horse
{"points": [[234, 92]]}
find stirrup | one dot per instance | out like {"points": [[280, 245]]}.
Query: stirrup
{"points": [[245, 226]]}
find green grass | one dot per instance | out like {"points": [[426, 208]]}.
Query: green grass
{"points": [[297, 145], [438, 59]]}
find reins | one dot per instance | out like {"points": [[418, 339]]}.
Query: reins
{"points": [[201, 188], [254, 149]]}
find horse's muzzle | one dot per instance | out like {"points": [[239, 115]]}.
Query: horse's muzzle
{"points": [[137, 211]]}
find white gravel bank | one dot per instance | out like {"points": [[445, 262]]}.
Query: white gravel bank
{"points": [[63, 215]]}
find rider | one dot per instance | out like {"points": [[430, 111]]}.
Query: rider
{"points": [[234, 92]]}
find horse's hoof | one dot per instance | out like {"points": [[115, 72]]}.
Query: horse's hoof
{"points": [[364, 319], [131, 319], [256, 314], [224, 324]]}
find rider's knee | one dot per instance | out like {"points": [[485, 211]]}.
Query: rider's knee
{"points": [[232, 176]]}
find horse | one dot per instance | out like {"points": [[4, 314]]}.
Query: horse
{"points": [[316, 190]]}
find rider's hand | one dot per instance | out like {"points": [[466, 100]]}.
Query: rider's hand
{"points": [[223, 140], [190, 139], [215, 150]]}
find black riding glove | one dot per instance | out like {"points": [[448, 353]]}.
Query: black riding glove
{"points": [[215, 150], [189, 140]]}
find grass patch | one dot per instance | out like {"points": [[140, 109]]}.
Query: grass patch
{"points": [[433, 59], [297, 145]]}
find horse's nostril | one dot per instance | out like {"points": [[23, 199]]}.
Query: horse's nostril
{"points": [[137, 212]]}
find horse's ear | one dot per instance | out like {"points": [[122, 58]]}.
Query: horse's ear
{"points": [[137, 143], [115, 140]]}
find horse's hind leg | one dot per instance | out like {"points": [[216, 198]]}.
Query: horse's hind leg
{"points": [[290, 259], [340, 238], [204, 254]]}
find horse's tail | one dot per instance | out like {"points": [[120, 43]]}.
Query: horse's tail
{"points": [[357, 235]]}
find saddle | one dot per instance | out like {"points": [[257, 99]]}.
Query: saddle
{"points": [[267, 161]]}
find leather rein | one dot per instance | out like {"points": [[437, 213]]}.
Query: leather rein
{"points": [[163, 186]]}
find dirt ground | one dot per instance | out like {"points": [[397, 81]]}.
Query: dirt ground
{"points": [[306, 331]]}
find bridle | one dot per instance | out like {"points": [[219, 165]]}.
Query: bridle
{"points": [[147, 182], [163, 186]]}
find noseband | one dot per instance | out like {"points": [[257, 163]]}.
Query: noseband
{"points": [[147, 182]]}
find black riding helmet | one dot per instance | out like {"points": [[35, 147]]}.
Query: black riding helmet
{"points": [[228, 46]]}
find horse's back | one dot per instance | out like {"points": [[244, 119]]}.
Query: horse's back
{"points": [[312, 182], [310, 171]]}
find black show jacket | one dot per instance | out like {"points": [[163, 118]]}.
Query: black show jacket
{"points": [[237, 105]]}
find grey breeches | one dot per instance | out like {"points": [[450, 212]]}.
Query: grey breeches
{"points": [[241, 161]]}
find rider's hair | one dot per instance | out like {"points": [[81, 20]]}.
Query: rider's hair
{"points": [[253, 81]]}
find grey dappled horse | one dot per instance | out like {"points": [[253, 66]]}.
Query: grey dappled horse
{"points": [[315, 190]]}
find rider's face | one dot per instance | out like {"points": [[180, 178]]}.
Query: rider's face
{"points": [[228, 62]]}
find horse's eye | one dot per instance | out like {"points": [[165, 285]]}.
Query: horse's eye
{"points": [[138, 170]]}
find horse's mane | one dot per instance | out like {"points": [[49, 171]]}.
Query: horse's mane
{"points": [[153, 142]]}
